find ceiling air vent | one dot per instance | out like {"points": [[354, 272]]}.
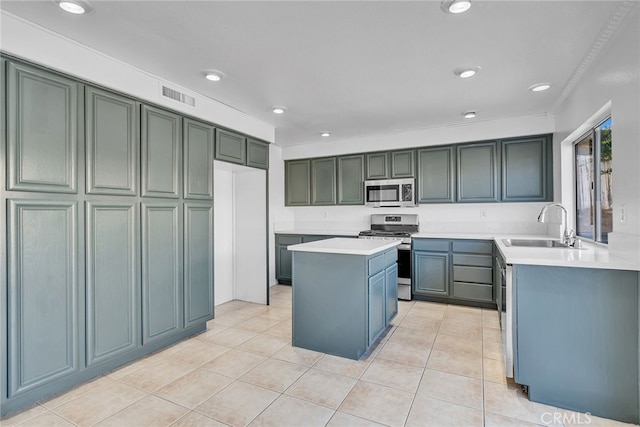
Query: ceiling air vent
{"points": [[178, 96]]}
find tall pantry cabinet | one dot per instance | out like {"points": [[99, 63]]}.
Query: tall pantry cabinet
{"points": [[108, 209]]}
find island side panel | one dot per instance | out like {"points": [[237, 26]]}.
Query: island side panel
{"points": [[577, 338], [329, 303]]}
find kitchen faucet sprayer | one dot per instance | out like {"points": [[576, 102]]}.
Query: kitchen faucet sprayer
{"points": [[568, 236]]}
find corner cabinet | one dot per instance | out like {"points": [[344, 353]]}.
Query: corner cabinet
{"points": [[527, 169]]}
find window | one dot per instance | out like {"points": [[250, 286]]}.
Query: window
{"points": [[594, 209]]}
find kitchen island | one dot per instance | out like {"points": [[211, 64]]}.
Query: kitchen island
{"points": [[345, 294]]}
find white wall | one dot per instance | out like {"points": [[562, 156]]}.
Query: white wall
{"points": [[280, 218], [614, 78], [223, 234]]}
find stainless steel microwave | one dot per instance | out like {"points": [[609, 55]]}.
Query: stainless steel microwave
{"points": [[390, 193]]}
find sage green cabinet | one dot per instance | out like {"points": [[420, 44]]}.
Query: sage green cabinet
{"points": [[230, 147], [403, 164], [350, 180], [43, 311], [161, 270], [198, 263], [378, 166], [161, 146], [478, 172], [431, 273], [526, 169], [112, 143], [391, 292], [436, 175], [42, 124], [113, 281], [297, 179], [197, 160], [376, 305], [284, 273], [323, 181], [257, 154]]}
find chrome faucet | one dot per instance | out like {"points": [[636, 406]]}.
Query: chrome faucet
{"points": [[568, 237]]}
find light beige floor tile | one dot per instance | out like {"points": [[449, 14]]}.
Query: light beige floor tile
{"points": [[496, 420], [411, 336], [574, 419], [508, 400], [15, 418], [493, 370], [325, 388], [48, 419], [155, 375], [258, 324], [274, 374], [492, 350], [492, 335], [378, 403], [238, 404], [230, 318], [464, 330], [96, 405], [430, 306], [300, 356], [148, 412], [490, 319], [431, 412], [425, 325], [264, 345], [342, 419], [234, 363], [233, 305], [212, 329], [194, 388], [469, 317], [342, 366], [458, 344], [409, 353], [427, 312], [296, 412], [232, 337], [175, 348], [199, 353], [127, 369], [76, 392], [194, 419], [275, 313], [453, 388], [393, 374], [456, 363], [282, 330]]}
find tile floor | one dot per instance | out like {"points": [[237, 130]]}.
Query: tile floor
{"points": [[438, 365]]}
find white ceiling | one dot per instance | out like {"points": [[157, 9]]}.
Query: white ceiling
{"points": [[354, 68]]}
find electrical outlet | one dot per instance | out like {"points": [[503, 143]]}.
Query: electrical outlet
{"points": [[623, 214], [483, 214]]}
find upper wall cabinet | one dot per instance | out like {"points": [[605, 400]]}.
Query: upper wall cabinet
{"points": [[403, 164], [257, 154], [161, 142], [230, 147], [42, 122], [198, 160], [323, 181], [436, 175], [350, 180], [526, 169], [297, 177], [478, 173], [112, 141], [378, 166]]}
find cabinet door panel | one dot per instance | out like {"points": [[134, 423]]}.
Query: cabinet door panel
{"points": [[161, 270], [161, 140], [478, 173], [43, 338], [376, 305], [377, 166], [431, 273], [297, 183], [402, 164], [198, 263], [113, 285], [42, 125], [198, 160], [351, 180], [323, 181], [112, 143], [257, 154], [524, 170], [436, 175], [391, 287], [230, 147]]}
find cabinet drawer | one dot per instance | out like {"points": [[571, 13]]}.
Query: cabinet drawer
{"points": [[474, 260], [390, 257], [430, 245], [472, 274], [376, 264], [478, 247], [288, 240], [475, 291]]}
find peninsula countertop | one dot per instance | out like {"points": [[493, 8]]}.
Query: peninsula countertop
{"points": [[348, 246]]}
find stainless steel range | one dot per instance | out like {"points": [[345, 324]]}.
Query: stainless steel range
{"points": [[396, 227]]}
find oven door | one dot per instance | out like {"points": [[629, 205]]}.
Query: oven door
{"points": [[404, 271]]}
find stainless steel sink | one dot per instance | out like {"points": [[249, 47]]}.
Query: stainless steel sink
{"points": [[535, 243]]}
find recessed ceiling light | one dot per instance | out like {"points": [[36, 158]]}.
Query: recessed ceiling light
{"points": [[279, 110], [539, 87], [469, 114], [76, 7], [214, 75], [466, 72], [455, 6], [325, 134]]}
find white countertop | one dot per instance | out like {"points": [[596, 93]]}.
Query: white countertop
{"points": [[341, 245], [319, 232]]}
